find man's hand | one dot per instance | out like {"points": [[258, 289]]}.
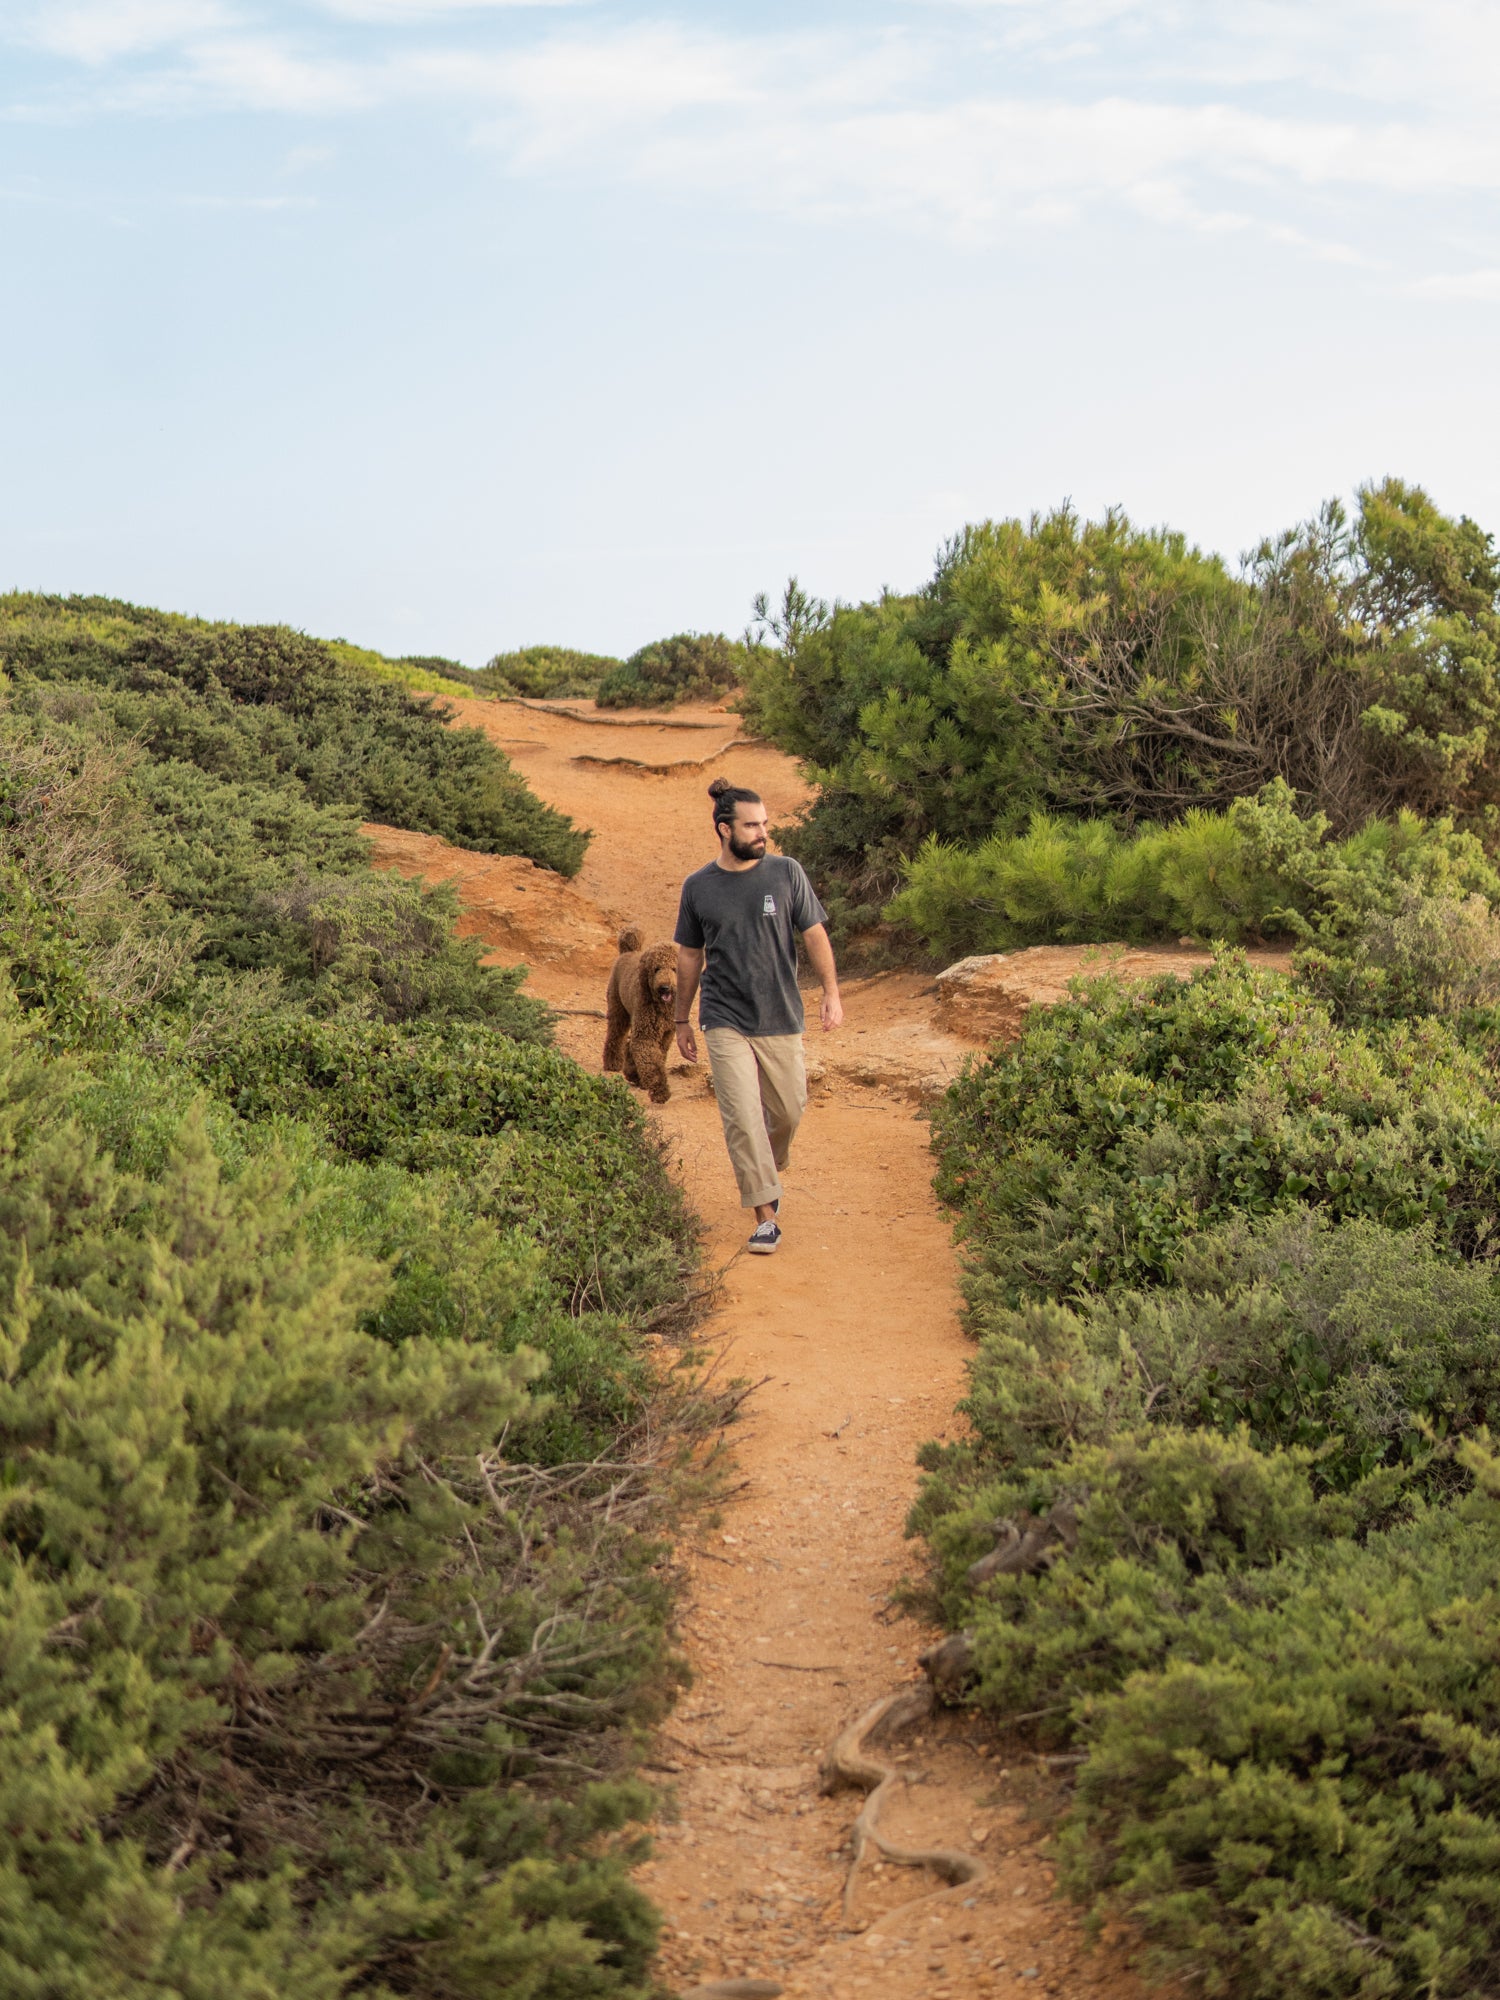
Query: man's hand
{"points": [[689, 972], [820, 953]]}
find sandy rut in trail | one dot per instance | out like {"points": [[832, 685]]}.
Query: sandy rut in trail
{"points": [[853, 1325]]}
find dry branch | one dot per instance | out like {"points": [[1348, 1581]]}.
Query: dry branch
{"points": [[849, 1763]]}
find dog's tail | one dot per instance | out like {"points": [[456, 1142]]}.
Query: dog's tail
{"points": [[631, 939]]}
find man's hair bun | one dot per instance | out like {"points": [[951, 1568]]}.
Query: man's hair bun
{"points": [[726, 797]]}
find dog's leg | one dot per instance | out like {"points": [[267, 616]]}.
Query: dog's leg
{"points": [[652, 1070], [616, 1028]]}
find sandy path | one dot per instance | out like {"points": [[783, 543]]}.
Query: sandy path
{"points": [[788, 1624]]}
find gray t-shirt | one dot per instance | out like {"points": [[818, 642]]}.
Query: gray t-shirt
{"points": [[746, 921]]}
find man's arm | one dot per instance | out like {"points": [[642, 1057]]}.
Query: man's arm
{"points": [[820, 952], [689, 972]]}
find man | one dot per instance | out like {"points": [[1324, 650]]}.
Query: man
{"points": [[737, 931]]}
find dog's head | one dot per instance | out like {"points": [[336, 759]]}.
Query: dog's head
{"points": [[659, 973]]}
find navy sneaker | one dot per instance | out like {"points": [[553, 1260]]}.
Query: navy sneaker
{"points": [[764, 1239]]}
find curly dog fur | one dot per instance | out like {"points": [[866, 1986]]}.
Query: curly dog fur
{"points": [[640, 1010]]}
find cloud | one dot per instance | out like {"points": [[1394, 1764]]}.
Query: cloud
{"points": [[783, 125], [249, 72], [1483, 285], [102, 31], [1305, 126], [378, 11]]}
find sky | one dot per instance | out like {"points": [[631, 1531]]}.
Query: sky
{"points": [[451, 326]]}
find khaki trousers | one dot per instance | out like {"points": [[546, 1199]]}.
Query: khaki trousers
{"points": [[761, 1086]]}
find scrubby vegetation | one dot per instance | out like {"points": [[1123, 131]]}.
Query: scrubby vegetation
{"points": [[423, 673], [691, 666], [1095, 670], [335, 1478], [544, 673], [1227, 1521], [1260, 869], [267, 709]]}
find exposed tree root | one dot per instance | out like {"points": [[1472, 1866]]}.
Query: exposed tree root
{"points": [[849, 1763]]}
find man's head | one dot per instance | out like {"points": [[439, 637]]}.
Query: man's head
{"points": [[739, 820]]}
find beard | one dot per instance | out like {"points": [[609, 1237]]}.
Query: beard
{"points": [[746, 850]]}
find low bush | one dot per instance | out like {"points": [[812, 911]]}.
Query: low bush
{"points": [[690, 666], [1431, 954], [538, 1144], [1361, 1343], [1305, 1800], [545, 673], [268, 706], [249, 1552], [1124, 1122], [423, 673], [1258, 870], [377, 945], [1159, 1522], [1224, 1516]]}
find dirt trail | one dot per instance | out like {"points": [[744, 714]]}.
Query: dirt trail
{"points": [[854, 1326]]}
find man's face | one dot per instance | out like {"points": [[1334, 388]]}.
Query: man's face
{"points": [[747, 836]]}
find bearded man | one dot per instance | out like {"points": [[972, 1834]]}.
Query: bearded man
{"points": [[737, 930]]}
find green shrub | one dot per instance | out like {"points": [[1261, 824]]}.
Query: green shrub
{"points": [[1163, 1521], [378, 945], [690, 666], [538, 1144], [1258, 869], [1213, 1520], [242, 1544], [423, 673], [336, 1467], [265, 705], [1093, 1150], [545, 673], [1091, 669], [1361, 1343], [1432, 954], [1306, 1799], [380, 1087]]}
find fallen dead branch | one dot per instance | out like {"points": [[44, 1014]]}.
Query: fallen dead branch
{"points": [[793, 1667], [849, 1763]]}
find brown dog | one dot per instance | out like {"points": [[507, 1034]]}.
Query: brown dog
{"points": [[640, 1012]]}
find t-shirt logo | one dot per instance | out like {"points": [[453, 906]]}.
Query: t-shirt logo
{"points": [[769, 906]]}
